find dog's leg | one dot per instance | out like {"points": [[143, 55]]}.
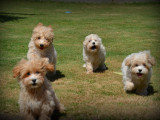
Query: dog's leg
{"points": [[58, 106], [24, 112], [44, 116], [28, 116], [128, 86], [89, 68]]}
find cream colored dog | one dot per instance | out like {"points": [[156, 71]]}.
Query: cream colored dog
{"points": [[41, 45], [93, 53], [37, 98], [137, 71]]}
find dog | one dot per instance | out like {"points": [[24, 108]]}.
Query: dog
{"points": [[137, 71], [93, 53], [40, 46], [37, 98]]}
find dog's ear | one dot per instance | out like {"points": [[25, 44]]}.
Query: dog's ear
{"points": [[17, 68], [151, 59], [39, 24], [49, 67], [129, 61], [16, 71], [46, 65], [50, 27]]}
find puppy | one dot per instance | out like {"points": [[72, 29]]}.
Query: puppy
{"points": [[41, 46], [37, 99], [137, 71], [93, 53]]}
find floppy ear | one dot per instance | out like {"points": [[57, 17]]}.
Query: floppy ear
{"points": [[46, 65], [49, 67], [17, 69], [50, 27], [85, 41], [128, 62], [151, 60], [39, 24]]}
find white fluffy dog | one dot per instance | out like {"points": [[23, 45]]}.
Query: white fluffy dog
{"points": [[41, 45], [37, 98], [137, 70], [93, 53]]}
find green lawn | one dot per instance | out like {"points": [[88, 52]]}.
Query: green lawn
{"points": [[124, 29]]}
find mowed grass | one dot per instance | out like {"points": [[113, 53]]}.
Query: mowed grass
{"points": [[124, 29]]}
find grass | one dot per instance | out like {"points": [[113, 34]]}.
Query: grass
{"points": [[124, 29]]}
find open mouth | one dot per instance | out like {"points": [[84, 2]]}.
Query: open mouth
{"points": [[139, 74], [34, 84], [41, 48], [93, 47]]}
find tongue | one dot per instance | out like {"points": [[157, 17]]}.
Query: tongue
{"points": [[139, 74]]}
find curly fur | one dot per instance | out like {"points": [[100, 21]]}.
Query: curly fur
{"points": [[37, 99], [137, 71], [41, 45], [93, 53]]}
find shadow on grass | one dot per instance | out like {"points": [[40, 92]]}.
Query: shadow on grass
{"points": [[7, 13], [57, 76], [6, 17], [56, 115], [101, 70], [150, 90]]}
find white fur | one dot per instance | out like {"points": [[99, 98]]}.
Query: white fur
{"points": [[131, 80], [94, 59]]}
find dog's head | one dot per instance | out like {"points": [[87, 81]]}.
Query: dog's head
{"points": [[31, 73], [92, 43], [42, 36], [140, 64]]}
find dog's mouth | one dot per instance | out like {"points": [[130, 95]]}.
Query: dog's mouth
{"points": [[34, 84], [93, 47], [41, 48], [139, 74]]}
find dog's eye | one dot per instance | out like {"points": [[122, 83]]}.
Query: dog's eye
{"points": [[136, 65], [144, 64], [37, 72], [95, 40], [89, 40], [39, 37], [28, 73]]}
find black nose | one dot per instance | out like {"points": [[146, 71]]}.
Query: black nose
{"points": [[140, 70], [93, 43], [33, 80], [41, 45]]}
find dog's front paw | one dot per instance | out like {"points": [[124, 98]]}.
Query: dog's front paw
{"points": [[62, 109], [89, 72]]}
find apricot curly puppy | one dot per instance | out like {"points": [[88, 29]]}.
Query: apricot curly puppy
{"points": [[137, 71], [41, 46], [93, 53], [37, 99]]}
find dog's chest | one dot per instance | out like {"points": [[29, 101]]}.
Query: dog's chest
{"points": [[35, 105]]}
